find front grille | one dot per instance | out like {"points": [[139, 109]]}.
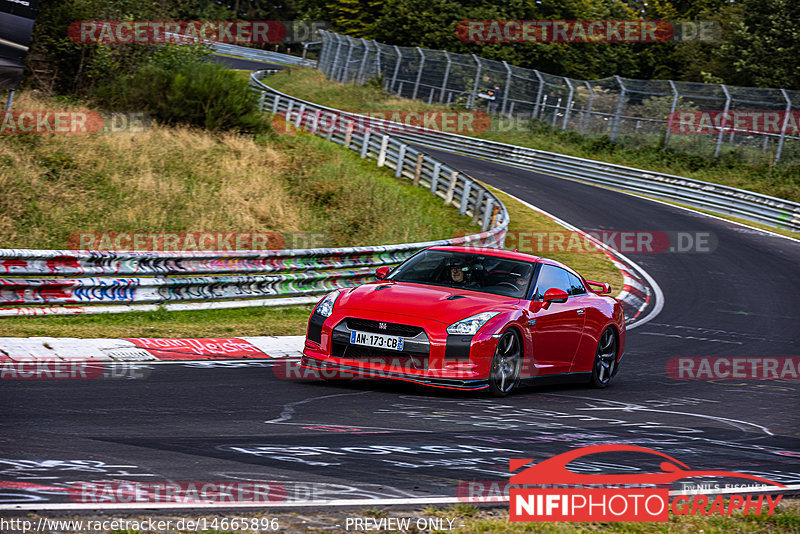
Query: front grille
{"points": [[392, 329]]}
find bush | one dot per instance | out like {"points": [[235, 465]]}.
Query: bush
{"points": [[194, 93]]}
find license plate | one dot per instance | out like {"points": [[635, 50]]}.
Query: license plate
{"points": [[380, 341]]}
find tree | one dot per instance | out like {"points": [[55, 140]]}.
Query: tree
{"points": [[764, 45]]}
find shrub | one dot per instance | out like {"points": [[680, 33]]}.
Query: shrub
{"points": [[194, 93]]}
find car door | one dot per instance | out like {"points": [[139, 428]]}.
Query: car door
{"points": [[557, 328]]}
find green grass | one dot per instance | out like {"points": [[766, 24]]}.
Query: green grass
{"points": [[287, 321], [782, 181]]}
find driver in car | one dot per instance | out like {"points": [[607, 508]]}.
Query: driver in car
{"points": [[457, 274]]}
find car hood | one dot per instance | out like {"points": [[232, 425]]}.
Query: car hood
{"points": [[419, 300]]}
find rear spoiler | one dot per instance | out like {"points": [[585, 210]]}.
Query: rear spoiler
{"points": [[602, 287]]}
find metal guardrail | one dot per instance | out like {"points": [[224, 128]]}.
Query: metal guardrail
{"points": [[717, 198], [131, 280], [254, 54]]}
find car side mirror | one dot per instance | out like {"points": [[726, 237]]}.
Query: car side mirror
{"points": [[600, 288], [382, 272], [554, 295]]}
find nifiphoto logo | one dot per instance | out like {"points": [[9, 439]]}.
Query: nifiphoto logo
{"points": [[549, 491]]}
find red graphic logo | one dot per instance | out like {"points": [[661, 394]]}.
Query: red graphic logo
{"points": [[604, 503], [192, 348]]}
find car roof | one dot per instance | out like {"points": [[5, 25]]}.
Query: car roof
{"points": [[502, 253]]}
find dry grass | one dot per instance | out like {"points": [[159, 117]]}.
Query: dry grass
{"points": [[187, 180]]}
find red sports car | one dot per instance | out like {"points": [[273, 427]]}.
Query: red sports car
{"points": [[469, 318]]}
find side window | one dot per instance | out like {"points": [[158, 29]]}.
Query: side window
{"points": [[575, 285], [551, 276]]}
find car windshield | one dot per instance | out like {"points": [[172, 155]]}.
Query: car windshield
{"points": [[473, 272]]}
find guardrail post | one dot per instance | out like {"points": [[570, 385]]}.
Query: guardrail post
{"points": [[675, 95], [331, 128], [448, 198], [462, 209], [275, 104], [724, 118], [299, 122], [615, 124], [446, 76], [588, 112], [365, 144], [382, 153], [348, 134], [506, 90], [363, 62], [495, 212], [435, 177], [396, 67], [418, 167], [262, 98], [475, 83], [537, 107], [419, 73], [476, 210], [401, 157], [785, 124], [569, 103], [487, 214]]}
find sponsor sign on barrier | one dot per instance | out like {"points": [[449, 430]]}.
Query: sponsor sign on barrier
{"points": [[193, 348]]}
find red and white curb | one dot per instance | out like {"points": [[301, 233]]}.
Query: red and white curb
{"points": [[51, 349]]}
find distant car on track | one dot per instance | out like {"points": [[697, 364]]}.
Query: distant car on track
{"points": [[469, 318]]}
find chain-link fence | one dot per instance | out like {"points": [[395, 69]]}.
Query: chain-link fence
{"points": [[707, 119]]}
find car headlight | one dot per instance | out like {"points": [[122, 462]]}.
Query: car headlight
{"points": [[470, 325], [325, 308]]}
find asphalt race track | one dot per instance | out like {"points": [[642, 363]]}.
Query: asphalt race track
{"points": [[216, 421], [243, 64]]}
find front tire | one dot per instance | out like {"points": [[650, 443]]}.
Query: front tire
{"points": [[605, 360], [506, 367]]}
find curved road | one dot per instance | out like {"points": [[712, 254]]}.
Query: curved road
{"points": [[211, 421]]}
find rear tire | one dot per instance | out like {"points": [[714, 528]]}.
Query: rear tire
{"points": [[506, 367], [605, 359]]}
